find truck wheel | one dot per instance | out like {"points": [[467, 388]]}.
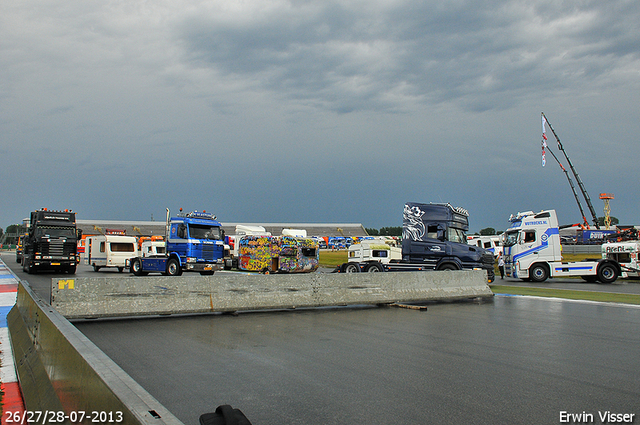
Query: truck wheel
{"points": [[373, 267], [351, 268], [136, 267], [71, 270], [589, 279], [96, 268], [27, 267], [448, 266], [173, 267], [607, 273], [538, 273]]}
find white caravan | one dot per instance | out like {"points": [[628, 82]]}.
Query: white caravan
{"points": [[490, 243], [109, 251], [532, 251]]}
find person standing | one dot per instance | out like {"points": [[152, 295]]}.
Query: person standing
{"points": [[501, 265]]}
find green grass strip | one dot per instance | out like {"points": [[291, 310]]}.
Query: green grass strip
{"points": [[608, 297]]}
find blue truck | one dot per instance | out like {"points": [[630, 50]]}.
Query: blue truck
{"points": [[194, 243], [433, 238]]}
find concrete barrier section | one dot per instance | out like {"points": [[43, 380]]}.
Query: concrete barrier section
{"points": [[133, 296], [63, 373]]}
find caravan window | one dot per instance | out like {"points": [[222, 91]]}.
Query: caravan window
{"points": [[121, 247], [309, 252], [102, 246]]}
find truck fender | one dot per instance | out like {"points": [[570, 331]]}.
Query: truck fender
{"points": [[448, 264], [177, 257]]}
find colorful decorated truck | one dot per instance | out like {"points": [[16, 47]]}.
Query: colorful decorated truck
{"points": [[272, 254]]}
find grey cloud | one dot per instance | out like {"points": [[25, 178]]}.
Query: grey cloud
{"points": [[346, 59]]}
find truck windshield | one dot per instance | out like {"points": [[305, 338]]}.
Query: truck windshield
{"points": [[511, 238], [456, 235], [55, 232], [198, 231]]}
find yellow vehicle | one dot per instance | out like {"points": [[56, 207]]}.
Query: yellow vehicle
{"points": [[19, 249]]}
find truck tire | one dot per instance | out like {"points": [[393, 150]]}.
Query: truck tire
{"points": [[351, 268], [173, 267], [448, 266], [607, 273], [373, 267], [589, 279], [71, 270], [136, 267], [96, 268], [27, 267], [539, 273]]}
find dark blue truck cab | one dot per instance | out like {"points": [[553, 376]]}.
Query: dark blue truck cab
{"points": [[434, 235]]}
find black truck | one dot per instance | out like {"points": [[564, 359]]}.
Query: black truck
{"points": [[51, 242], [433, 238]]}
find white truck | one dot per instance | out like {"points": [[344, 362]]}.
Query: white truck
{"points": [[626, 254], [109, 251], [370, 254], [532, 251]]}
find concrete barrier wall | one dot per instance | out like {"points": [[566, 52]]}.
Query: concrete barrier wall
{"points": [[60, 370], [132, 296]]}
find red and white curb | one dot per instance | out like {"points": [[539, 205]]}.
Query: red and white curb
{"points": [[11, 395]]}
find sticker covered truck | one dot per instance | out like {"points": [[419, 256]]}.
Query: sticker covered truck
{"points": [[626, 254], [278, 254]]}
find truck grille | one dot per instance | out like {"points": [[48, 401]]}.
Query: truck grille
{"points": [[58, 248], [208, 252]]}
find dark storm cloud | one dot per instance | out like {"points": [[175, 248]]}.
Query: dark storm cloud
{"points": [[488, 53]]}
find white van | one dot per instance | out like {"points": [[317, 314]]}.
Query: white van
{"points": [[109, 251]]}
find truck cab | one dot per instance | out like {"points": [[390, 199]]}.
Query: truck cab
{"points": [[532, 251], [194, 243], [626, 254], [51, 242], [197, 240], [434, 235]]}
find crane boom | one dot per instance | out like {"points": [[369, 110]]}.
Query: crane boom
{"points": [[575, 174]]}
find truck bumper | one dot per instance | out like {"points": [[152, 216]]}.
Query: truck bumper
{"points": [[203, 267]]}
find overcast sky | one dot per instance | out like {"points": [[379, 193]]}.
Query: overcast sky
{"points": [[316, 111]]}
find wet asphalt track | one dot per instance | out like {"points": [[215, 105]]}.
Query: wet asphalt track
{"points": [[511, 360]]}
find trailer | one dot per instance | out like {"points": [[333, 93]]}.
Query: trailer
{"points": [[532, 252], [194, 243], [278, 254], [109, 250]]}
